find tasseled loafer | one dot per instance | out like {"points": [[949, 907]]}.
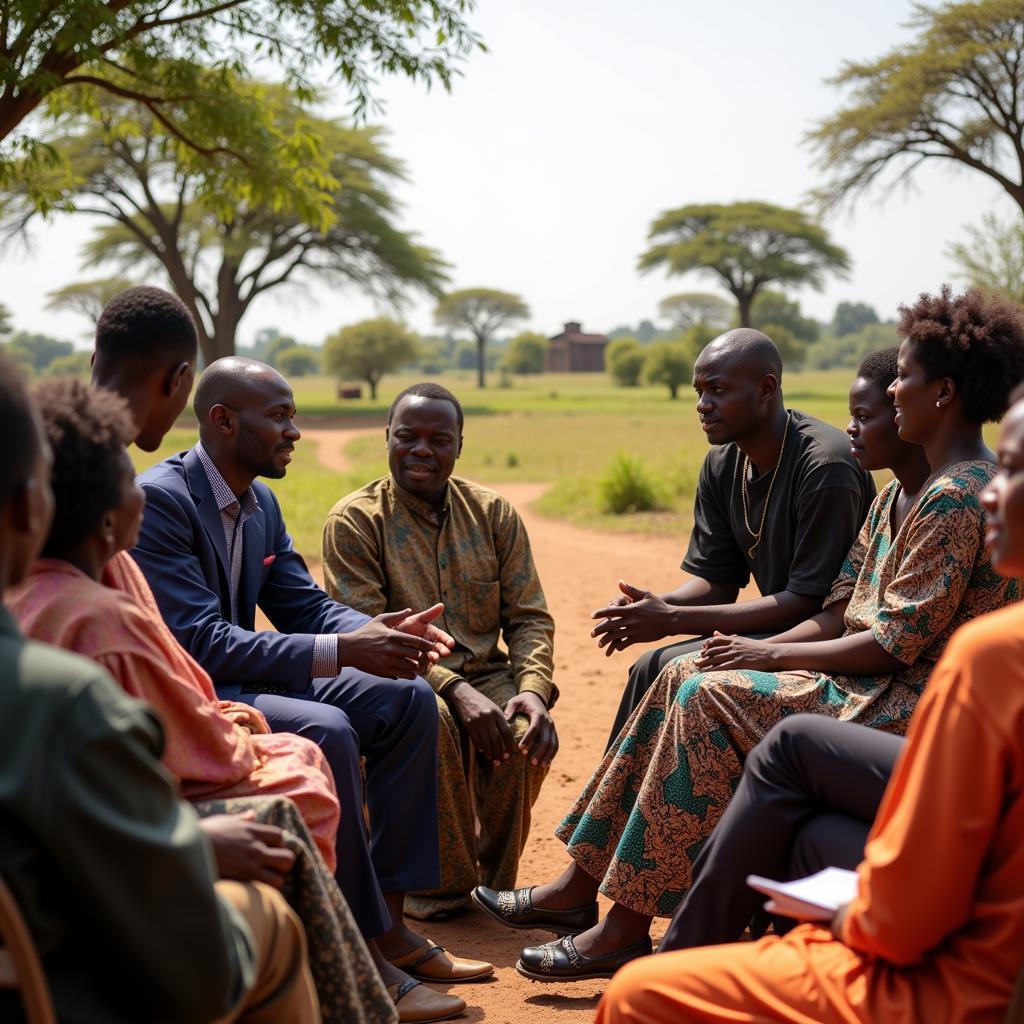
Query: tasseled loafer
{"points": [[562, 961], [514, 908]]}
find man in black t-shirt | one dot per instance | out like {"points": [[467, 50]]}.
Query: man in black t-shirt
{"points": [[779, 497]]}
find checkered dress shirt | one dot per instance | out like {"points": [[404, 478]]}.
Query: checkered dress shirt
{"points": [[234, 513]]}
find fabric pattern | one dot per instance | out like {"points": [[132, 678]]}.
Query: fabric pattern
{"points": [[643, 817], [350, 988], [210, 755]]}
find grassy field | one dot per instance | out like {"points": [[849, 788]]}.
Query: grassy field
{"points": [[559, 429]]}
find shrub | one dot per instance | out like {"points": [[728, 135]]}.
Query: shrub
{"points": [[628, 486], [668, 363], [624, 360]]}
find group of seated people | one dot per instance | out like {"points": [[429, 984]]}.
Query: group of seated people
{"points": [[203, 820]]}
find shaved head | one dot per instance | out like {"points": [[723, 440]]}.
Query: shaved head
{"points": [[234, 381], [741, 348]]}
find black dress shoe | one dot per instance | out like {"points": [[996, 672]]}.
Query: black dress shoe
{"points": [[562, 961], [514, 909]]}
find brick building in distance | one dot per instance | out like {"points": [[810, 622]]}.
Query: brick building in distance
{"points": [[572, 351]]}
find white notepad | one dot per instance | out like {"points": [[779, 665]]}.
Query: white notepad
{"points": [[814, 898]]}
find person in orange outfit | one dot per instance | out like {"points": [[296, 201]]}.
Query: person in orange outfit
{"points": [[937, 928]]}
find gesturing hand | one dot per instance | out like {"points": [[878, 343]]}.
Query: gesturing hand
{"points": [[246, 850], [421, 625], [540, 741], [483, 720], [637, 617], [723, 652], [380, 648]]}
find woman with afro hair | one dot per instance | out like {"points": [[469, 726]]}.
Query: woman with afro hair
{"points": [[917, 571]]}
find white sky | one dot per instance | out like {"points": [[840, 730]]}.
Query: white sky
{"points": [[542, 170]]}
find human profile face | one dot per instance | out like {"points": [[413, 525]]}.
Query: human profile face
{"points": [[874, 439], [266, 434], [914, 397], [728, 397], [1003, 498], [423, 443], [164, 411], [126, 518]]}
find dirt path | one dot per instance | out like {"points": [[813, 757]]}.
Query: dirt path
{"points": [[579, 569]]}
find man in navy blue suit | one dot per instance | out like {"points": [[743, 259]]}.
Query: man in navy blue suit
{"points": [[214, 547]]}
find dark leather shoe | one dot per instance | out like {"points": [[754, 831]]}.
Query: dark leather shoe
{"points": [[562, 961], [514, 909]]}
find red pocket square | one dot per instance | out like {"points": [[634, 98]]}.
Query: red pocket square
{"points": [[269, 559]]}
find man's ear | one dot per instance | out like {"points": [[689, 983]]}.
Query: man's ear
{"points": [[459, 452], [769, 387], [176, 378], [222, 420]]}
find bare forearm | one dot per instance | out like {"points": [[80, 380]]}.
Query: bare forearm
{"points": [[857, 655], [771, 614], [826, 625], [697, 592]]}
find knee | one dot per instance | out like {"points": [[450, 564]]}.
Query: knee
{"points": [[419, 702], [335, 736], [786, 741]]}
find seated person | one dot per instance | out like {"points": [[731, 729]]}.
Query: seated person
{"points": [[936, 930], [419, 537], [213, 547], [779, 497], [89, 819], [905, 587], [62, 602]]}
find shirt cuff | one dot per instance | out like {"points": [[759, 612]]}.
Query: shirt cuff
{"points": [[544, 688], [325, 656]]}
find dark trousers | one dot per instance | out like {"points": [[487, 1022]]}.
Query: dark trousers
{"points": [[393, 723], [809, 793], [645, 670]]}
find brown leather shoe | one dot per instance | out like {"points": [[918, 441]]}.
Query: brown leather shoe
{"points": [[418, 1004], [432, 962]]}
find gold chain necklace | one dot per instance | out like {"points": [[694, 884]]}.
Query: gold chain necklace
{"points": [[743, 492]]}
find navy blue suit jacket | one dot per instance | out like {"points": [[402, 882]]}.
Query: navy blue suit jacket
{"points": [[183, 554]]}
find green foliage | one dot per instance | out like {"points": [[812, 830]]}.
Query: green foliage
{"points": [[624, 360], [87, 298], [954, 92], [771, 307], [177, 61], [993, 256], [692, 309], [76, 364], [275, 346], [746, 245], [695, 339], [435, 355], [481, 311], [628, 486], [6, 326], [35, 352], [298, 360], [668, 363], [850, 317], [791, 348], [222, 231], [369, 349], [849, 349], [525, 353]]}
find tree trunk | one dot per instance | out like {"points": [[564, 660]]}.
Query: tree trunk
{"points": [[481, 367], [372, 381], [745, 303], [673, 391]]}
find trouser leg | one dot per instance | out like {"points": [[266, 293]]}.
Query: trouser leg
{"points": [[804, 765], [330, 728], [284, 989]]}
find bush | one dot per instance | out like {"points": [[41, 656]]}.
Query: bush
{"points": [[525, 353], [628, 486], [77, 364], [668, 363], [624, 360], [298, 360]]}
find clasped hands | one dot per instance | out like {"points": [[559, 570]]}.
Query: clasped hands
{"points": [[721, 651], [396, 645], [489, 728], [635, 617]]}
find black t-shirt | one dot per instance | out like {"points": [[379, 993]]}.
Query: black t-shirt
{"points": [[818, 504]]}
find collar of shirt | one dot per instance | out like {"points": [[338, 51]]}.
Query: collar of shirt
{"points": [[222, 494], [422, 508]]}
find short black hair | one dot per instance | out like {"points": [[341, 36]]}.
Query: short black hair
{"points": [[88, 429], [879, 368], [427, 389], [21, 435], [976, 339], [147, 326]]}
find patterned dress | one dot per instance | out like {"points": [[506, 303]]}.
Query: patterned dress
{"points": [[645, 814]]}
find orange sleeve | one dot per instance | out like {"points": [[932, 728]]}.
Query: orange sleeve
{"points": [[936, 822]]}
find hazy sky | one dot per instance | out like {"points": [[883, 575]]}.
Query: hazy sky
{"points": [[542, 170]]}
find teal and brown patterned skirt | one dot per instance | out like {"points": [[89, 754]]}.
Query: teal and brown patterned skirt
{"points": [[642, 819]]}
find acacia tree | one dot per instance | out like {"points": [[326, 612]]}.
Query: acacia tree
{"points": [[87, 298], [746, 245], [369, 349], [156, 52], [197, 219], [689, 309], [992, 258], [954, 94], [481, 311]]}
